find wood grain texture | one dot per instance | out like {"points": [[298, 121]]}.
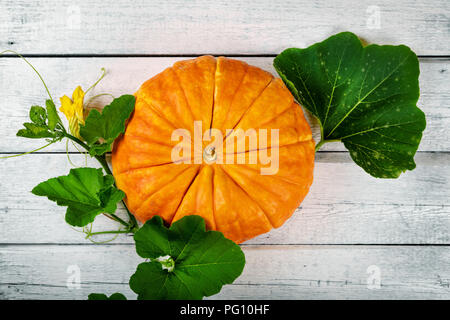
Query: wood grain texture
{"points": [[348, 222], [290, 272], [21, 88], [227, 27], [413, 209]]}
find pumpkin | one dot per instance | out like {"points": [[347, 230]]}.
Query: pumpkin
{"points": [[234, 197]]}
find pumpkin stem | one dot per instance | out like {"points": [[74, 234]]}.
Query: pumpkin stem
{"points": [[209, 154]]}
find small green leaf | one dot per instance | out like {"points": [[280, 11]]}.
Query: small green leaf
{"points": [[53, 117], [34, 131], [38, 116], [43, 123], [101, 129], [186, 262], [102, 296], [363, 96], [86, 193]]}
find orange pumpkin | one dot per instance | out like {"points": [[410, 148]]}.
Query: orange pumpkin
{"points": [[234, 198]]}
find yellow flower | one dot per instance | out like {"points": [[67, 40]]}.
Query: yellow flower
{"points": [[73, 110]]}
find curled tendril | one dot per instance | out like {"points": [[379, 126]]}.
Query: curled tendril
{"points": [[87, 230], [89, 237], [98, 80], [96, 96], [80, 151], [35, 70], [89, 234], [68, 156], [46, 89]]}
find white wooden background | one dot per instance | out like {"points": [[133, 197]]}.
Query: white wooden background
{"points": [[349, 220]]}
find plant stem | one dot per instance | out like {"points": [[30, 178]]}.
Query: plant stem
{"points": [[100, 159], [107, 232], [112, 215], [131, 226], [322, 142], [22, 154]]}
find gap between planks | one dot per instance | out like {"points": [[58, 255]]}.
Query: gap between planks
{"points": [[162, 55]]}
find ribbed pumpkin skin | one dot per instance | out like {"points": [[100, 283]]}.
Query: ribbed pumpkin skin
{"points": [[232, 198]]}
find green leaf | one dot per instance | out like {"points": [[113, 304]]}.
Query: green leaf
{"points": [[102, 296], [37, 128], [43, 123], [363, 96], [53, 117], [34, 131], [38, 116], [86, 193], [101, 129], [186, 262], [100, 149]]}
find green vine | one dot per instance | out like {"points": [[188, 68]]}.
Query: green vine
{"points": [[131, 226]]}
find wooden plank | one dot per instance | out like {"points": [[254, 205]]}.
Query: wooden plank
{"points": [[21, 89], [345, 205], [227, 27], [322, 252], [290, 272]]}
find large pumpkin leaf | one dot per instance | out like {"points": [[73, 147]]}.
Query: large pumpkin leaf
{"points": [[101, 129], [363, 96], [186, 262], [86, 193]]}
